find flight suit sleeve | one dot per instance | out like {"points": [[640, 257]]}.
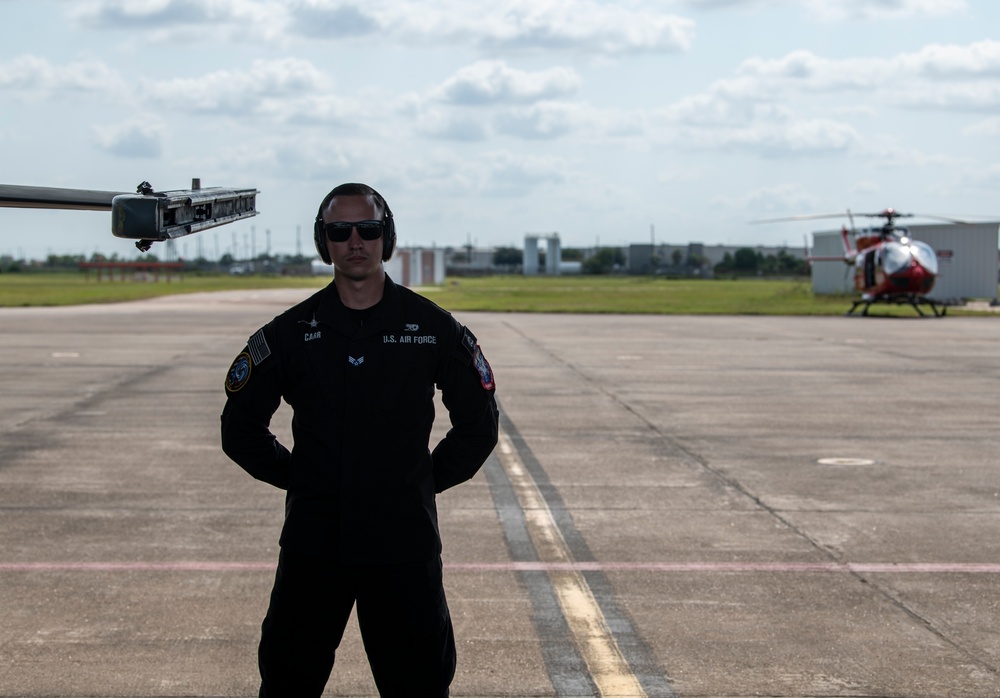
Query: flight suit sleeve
{"points": [[468, 390], [253, 392]]}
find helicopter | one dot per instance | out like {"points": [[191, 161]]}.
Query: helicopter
{"points": [[889, 266]]}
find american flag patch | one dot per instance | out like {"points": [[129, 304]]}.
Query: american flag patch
{"points": [[257, 346], [469, 342]]}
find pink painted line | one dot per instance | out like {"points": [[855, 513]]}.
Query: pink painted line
{"points": [[222, 566], [925, 567], [180, 566]]}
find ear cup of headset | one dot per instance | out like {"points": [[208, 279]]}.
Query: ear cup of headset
{"points": [[388, 235], [319, 237]]}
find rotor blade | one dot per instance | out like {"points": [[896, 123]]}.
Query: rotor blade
{"points": [[18, 196], [799, 218], [947, 219]]}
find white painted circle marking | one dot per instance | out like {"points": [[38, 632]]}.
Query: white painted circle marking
{"points": [[845, 461]]}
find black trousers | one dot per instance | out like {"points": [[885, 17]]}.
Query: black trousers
{"points": [[402, 614]]}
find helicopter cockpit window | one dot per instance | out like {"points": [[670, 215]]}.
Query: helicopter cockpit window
{"points": [[895, 257], [925, 256]]}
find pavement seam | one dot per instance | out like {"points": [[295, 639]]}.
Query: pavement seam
{"points": [[693, 457]]}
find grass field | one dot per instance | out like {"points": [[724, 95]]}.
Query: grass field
{"points": [[566, 294], [31, 289]]}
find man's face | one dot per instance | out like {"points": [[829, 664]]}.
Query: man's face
{"points": [[355, 258]]}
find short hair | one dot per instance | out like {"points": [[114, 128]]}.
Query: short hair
{"points": [[353, 189]]}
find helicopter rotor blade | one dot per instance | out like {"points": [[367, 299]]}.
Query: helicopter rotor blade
{"points": [[947, 219], [799, 218], [888, 213]]}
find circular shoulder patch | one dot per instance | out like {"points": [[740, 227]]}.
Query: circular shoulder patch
{"points": [[239, 373]]}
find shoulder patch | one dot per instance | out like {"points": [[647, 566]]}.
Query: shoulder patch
{"points": [[469, 342], [257, 346], [483, 367], [239, 373]]}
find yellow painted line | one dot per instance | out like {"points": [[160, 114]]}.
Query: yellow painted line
{"points": [[591, 634]]}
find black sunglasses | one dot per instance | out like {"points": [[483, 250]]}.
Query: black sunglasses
{"points": [[340, 231]]}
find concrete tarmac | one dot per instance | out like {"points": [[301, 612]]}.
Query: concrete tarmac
{"points": [[679, 506]]}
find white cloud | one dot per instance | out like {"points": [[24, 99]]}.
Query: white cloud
{"points": [[800, 137], [583, 25], [490, 82], [805, 70], [325, 20], [36, 76], [304, 157], [132, 139], [948, 61], [439, 123], [988, 128], [719, 121], [579, 26], [883, 9], [151, 13], [773, 199], [493, 173], [512, 174], [940, 76], [987, 179], [240, 92], [840, 10], [883, 155], [185, 21], [540, 121], [865, 186]]}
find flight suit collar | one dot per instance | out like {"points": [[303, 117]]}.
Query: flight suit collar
{"points": [[332, 311]]}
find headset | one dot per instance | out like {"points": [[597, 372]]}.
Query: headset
{"points": [[355, 189]]}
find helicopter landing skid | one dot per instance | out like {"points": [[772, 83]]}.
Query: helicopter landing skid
{"points": [[939, 309]]}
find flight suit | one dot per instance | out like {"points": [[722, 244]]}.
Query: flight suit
{"points": [[361, 480]]}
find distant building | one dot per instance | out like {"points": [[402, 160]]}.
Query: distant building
{"points": [[417, 266], [553, 254], [408, 266], [694, 258]]}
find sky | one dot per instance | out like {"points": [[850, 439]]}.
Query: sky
{"points": [[607, 123]]}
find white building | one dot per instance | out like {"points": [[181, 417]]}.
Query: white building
{"points": [[416, 266], [408, 266], [553, 254]]}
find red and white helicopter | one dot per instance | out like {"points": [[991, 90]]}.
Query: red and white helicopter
{"points": [[889, 266]]}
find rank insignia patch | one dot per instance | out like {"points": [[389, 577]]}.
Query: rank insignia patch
{"points": [[239, 373], [485, 372]]}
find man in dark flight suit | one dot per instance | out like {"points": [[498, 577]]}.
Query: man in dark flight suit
{"points": [[358, 363]]}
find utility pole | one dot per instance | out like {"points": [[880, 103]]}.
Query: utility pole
{"points": [[652, 248]]}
